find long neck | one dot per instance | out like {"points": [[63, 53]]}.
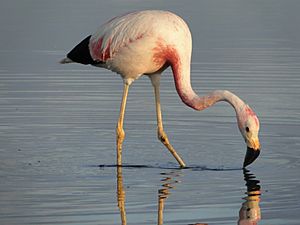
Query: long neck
{"points": [[191, 99]]}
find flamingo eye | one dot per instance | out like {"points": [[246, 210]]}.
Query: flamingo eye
{"points": [[247, 129]]}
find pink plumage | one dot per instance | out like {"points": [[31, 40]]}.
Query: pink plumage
{"points": [[146, 43], [140, 39]]}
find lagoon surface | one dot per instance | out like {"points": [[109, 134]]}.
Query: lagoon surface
{"points": [[57, 122]]}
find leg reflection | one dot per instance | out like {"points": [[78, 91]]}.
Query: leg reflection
{"points": [[250, 211], [121, 195], [169, 181]]}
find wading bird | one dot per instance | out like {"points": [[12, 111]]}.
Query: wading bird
{"points": [[146, 43]]}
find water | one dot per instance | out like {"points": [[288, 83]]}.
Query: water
{"points": [[57, 122]]}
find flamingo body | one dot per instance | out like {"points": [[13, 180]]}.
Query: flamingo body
{"points": [[145, 40], [146, 43]]}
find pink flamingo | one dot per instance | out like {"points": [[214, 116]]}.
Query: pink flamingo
{"points": [[146, 43]]}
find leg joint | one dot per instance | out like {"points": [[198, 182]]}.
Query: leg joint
{"points": [[162, 136], [120, 133]]}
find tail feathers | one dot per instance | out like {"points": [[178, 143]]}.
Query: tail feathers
{"points": [[81, 54], [66, 60]]}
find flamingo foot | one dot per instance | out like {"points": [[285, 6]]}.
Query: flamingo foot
{"points": [[162, 136]]}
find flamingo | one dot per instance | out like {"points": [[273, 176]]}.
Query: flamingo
{"points": [[146, 43]]}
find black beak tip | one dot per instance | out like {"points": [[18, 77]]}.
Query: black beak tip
{"points": [[251, 156]]}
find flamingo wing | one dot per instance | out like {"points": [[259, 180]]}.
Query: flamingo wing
{"points": [[117, 33]]}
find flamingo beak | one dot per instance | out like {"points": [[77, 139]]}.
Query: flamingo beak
{"points": [[251, 156]]}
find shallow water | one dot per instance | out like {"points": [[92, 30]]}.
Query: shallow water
{"points": [[57, 122]]}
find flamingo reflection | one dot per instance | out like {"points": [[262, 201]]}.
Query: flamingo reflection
{"points": [[121, 195], [249, 213], [168, 181]]}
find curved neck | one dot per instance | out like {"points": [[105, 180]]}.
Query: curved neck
{"points": [[203, 102], [191, 99]]}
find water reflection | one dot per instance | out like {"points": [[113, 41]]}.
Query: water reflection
{"points": [[121, 195], [168, 182], [249, 213]]}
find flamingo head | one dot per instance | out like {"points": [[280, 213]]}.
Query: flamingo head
{"points": [[249, 127]]}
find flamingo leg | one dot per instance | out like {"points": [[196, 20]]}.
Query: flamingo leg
{"points": [[119, 129], [162, 136]]}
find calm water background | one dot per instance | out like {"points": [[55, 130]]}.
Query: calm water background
{"points": [[57, 122]]}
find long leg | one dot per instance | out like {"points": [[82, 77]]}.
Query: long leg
{"points": [[162, 136], [119, 130]]}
